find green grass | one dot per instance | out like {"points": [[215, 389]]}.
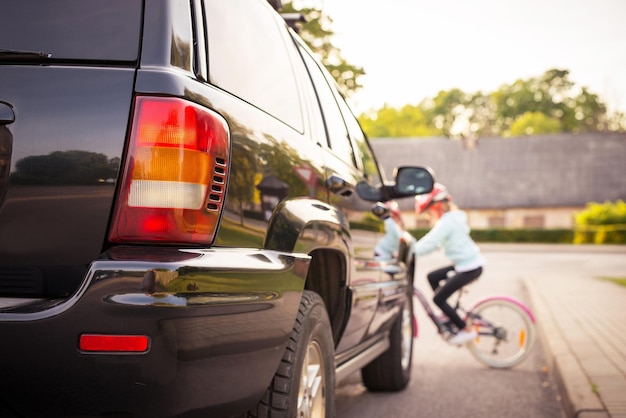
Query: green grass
{"points": [[617, 280]]}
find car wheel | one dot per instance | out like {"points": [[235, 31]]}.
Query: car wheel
{"points": [[304, 385], [391, 371]]}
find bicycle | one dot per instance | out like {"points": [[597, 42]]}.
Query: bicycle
{"points": [[505, 328]]}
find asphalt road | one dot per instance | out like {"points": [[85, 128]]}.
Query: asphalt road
{"points": [[446, 380]]}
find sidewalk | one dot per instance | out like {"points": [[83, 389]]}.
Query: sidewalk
{"points": [[582, 326]]}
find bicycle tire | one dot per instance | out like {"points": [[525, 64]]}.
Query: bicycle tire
{"points": [[506, 333]]}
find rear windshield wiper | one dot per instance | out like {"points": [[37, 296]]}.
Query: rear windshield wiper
{"points": [[23, 55]]}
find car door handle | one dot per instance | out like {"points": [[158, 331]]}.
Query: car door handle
{"points": [[338, 185]]}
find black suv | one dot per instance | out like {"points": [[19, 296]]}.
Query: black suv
{"points": [[185, 224]]}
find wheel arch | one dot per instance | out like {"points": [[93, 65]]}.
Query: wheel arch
{"points": [[312, 227], [327, 277]]}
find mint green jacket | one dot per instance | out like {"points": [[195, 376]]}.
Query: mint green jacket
{"points": [[451, 232]]}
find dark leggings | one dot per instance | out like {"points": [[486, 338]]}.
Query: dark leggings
{"points": [[451, 285]]}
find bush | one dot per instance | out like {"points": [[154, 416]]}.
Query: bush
{"points": [[606, 213], [601, 223], [600, 234]]}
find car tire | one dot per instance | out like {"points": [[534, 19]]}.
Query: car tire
{"points": [[391, 371], [304, 384]]}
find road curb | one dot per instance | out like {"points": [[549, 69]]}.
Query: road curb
{"points": [[578, 398]]}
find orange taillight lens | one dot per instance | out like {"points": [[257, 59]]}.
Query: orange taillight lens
{"points": [[175, 174]]}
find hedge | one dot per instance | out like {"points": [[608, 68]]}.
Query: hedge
{"points": [[597, 234], [545, 236], [600, 234]]}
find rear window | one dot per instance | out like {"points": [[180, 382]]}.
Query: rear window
{"points": [[73, 29], [252, 57]]}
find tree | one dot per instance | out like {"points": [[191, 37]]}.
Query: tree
{"points": [[554, 95], [533, 123], [316, 33], [409, 121], [479, 113], [545, 104], [73, 167], [549, 103], [448, 111]]}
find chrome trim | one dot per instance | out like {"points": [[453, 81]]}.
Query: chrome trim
{"points": [[220, 271]]}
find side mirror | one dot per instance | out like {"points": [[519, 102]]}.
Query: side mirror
{"points": [[368, 192], [412, 181]]}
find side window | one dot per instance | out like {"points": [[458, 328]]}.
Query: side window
{"points": [[336, 130], [253, 59], [363, 152]]}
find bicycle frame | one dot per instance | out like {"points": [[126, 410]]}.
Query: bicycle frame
{"points": [[443, 328]]}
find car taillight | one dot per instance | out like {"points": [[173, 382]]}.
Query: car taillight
{"points": [[175, 174]]}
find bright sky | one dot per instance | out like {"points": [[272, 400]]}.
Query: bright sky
{"points": [[412, 49]]}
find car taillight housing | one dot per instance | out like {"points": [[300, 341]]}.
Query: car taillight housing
{"points": [[175, 173]]}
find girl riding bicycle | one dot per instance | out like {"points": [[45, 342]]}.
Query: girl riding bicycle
{"points": [[450, 232]]}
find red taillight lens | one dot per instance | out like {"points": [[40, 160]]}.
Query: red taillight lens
{"points": [[114, 343], [175, 174]]}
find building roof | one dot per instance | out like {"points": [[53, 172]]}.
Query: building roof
{"points": [[562, 170]]}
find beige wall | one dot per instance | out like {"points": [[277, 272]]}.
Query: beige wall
{"points": [[537, 218]]}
